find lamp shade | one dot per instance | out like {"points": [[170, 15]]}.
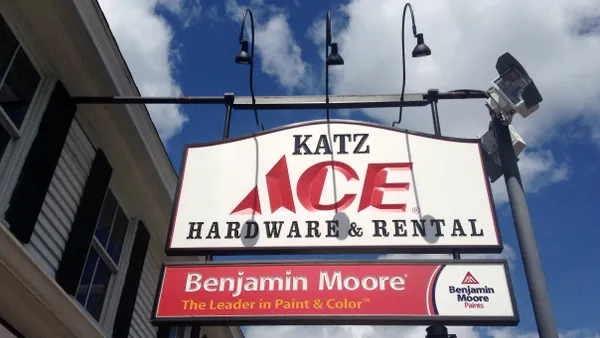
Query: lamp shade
{"points": [[243, 57], [421, 49], [334, 59]]}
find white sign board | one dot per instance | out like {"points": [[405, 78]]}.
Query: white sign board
{"points": [[337, 187]]}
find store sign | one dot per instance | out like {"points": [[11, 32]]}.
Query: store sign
{"points": [[369, 293], [338, 187]]}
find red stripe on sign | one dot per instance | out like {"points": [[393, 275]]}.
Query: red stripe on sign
{"points": [[431, 291], [298, 290]]}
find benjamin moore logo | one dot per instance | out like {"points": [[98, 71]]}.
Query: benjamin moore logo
{"points": [[469, 279], [473, 297]]}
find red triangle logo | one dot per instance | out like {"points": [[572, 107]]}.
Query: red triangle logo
{"points": [[469, 279], [249, 205]]}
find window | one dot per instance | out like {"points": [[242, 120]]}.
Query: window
{"points": [[19, 81], [103, 258], [177, 332], [183, 332]]}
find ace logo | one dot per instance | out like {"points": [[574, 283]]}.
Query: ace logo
{"points": [[324, 187], [310, 185]]}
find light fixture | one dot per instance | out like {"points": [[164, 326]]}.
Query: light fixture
{"points": [[420, 50], [489, 144], [248, 59], [334, 59], [513, 91], [243, 57]]}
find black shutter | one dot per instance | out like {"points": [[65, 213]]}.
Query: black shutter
{"points": [[195, 331], [29, 194], [132, 282], [84, 225], [11, 329], [163, 331]]}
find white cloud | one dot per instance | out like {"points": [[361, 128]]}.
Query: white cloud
{"points": [[394, 332], [348, 332], [538, 170], [279, 54], [149, 59], [466, 39], [508, 253], [213, 13], [188, 11]]}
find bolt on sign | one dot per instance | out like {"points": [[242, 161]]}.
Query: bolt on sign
{"points": [[337, 187], [453, 292]]}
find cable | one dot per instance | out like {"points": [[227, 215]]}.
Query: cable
{"points": [[327, 89], [403, 66], [468, 91], [327, 43], [258, 123]]}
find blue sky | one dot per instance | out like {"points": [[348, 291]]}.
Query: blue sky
{"points": [[188, 46]]}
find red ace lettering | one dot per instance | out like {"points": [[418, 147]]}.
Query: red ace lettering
{"points": [[309, 188], [376, 184], [312, 181], [279, 187]]}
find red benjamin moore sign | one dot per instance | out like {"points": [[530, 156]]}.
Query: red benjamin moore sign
{"points": [[386, 291]]}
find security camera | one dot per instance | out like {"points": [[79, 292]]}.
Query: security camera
{"points": [[490, 146], [513, 91]]}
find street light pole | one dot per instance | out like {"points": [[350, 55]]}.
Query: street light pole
{"points": [[333, 59], [420, 50], [244, 58], [529, 252]]}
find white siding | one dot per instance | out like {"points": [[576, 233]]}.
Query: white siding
{"points": [[140, 323], [60, 205]]}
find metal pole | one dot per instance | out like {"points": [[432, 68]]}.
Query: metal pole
{"points": [[531, 258], [437, 330], [327, 79], [291, 102], [433, 96], [229, 98], [148, 100]]}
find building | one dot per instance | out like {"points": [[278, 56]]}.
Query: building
{"points": [[85, 191]]}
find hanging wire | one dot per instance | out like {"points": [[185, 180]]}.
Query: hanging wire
{"points": [[403, 66], [258, 123], [327, 43], [327, 89]]}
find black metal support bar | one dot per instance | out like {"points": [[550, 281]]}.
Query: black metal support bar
{"points": [[291, 102], [335, 102], [438, 331], [149, 100], [432, 98], [327, 78], [229, 98], [463, 94]]}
